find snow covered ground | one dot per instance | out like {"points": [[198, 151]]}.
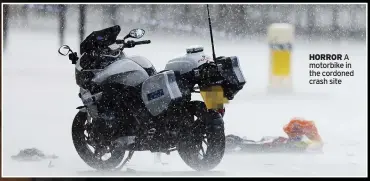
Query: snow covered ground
{"points": [[40, 97]]}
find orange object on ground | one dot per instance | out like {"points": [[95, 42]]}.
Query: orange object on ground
{"points": [[297, 128]]}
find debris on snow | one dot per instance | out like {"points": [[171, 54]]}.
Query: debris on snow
{"points": [[50, 164], [32, 154]]}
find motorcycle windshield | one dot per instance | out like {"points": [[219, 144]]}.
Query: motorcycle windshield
{"points": [[99, 39]]}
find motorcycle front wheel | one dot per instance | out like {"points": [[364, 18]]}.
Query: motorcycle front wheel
{"points": [[86, 150], [206, 131]]}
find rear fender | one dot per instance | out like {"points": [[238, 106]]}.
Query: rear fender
{"points": [[210, 117]]}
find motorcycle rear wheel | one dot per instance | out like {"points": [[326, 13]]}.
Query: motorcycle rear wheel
{"points": [[117, 158], [207, 128]]}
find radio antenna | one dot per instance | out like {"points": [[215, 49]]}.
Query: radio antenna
{"points": [[211, 33]]}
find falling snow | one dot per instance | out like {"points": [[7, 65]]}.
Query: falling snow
{"points": [[40, 94]]}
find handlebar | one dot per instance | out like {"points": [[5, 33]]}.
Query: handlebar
{"points": [[131, 43], [143, 42], [120, 41]]}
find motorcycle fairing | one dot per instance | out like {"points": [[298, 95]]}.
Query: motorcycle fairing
{"points": [[123, 71]]}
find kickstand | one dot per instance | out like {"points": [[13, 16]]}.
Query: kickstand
{"points": [[158, 158], [50, 164]]}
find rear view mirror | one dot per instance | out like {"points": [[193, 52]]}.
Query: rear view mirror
{"points": [[136, 33], [64, 50]]}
